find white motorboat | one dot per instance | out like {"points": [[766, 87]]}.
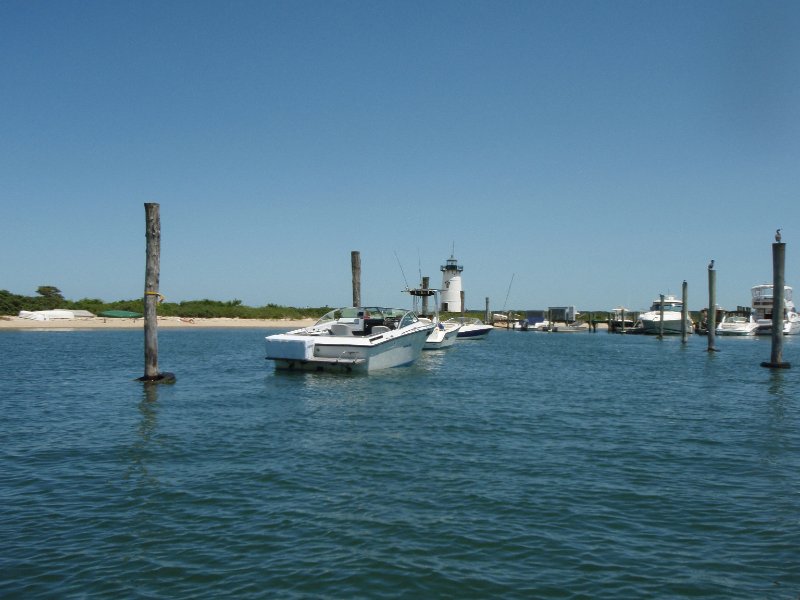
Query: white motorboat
{"points": [[471, 328], [737, 324], [352, 339], [443, 335], [762, 299], [651, 320]]}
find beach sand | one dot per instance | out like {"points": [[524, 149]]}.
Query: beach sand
{"points": [[9, 322]]}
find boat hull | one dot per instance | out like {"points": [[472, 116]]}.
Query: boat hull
{"points": [[651, 324], [345, 353], [474, 332], [740, 331], [441, 338]]}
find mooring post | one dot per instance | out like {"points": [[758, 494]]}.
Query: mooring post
{"points": [[151, 296], [778, 263], [623, 320], [712, 307], [463, 308], [426, 281], [355, 263], [661, 317], [684, 312], [486, 315]]}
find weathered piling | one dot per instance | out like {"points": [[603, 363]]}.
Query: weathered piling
{"points": [[426, 282], [355, 265], [778, 263], [661, 317], [152, 296], [623, 320], [486, 315], [463, 309], [684, 312], [712, 307]]}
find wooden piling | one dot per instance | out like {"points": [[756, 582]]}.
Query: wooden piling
{"points": [[711, 323], [778, 263], [426, 282], [684, 312], [355, 264], [152, 296], [486, 315], [463, 309], [661, 318]]}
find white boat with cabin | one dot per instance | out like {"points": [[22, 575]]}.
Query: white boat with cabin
{"points": [[762, 303], [352, 339], [651, 320]]}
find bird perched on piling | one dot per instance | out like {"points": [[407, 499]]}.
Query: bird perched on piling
{"points": [[777, 235], [711, 264]]}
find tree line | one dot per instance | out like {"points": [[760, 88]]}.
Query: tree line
{"points": [[49, 297]]}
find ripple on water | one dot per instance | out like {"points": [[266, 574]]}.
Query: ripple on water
{"points": [[526, 465]]}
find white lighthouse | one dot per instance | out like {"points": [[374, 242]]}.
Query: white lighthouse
{"points": [[451, 286]]}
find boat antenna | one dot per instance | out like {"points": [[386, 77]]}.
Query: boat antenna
{"points": [[509, 291], [401, 269]]}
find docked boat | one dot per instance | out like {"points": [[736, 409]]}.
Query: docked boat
{"points": [[650, 321], [443, 335], [47, 315], [737, 324], [352, 339], [569, 328], [471, 328], [762, 303]]}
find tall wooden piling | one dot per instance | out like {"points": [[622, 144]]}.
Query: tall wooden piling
{"points": [[463, 309], [711, 323], [486, 315], [426, 282], [661, 317], [152, 296], [778, 283], [355, 264], [684, 312]]}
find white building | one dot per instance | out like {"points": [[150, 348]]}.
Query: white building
{"points": [[451, 286]]}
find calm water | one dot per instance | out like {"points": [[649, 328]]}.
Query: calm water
{"points": [[526, 465]]}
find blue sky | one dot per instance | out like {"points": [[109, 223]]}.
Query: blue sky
{"points": [[598, 153]]}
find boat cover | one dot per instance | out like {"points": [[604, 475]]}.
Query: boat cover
{"points": [[289, 347]]}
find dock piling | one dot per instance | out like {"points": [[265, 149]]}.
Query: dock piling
{"points": [[712, 307], [151, 297], [684, 312], [778, 264], [661, 317], [355, 264]]}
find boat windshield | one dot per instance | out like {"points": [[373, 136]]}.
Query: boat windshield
{"points": [[368, 312]]}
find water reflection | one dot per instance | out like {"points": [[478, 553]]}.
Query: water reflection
{"points": [[145, 432]]}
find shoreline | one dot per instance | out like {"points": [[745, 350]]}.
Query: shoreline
{"points": [[18, 323]]}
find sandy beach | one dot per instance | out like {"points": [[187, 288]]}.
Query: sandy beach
{"points": [[11, 322]]}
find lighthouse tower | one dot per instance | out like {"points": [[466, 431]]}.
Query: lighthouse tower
{"points": [[451, 286]]}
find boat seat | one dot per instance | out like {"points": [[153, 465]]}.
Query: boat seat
{"points": [[380, 329], [340, 329]]}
